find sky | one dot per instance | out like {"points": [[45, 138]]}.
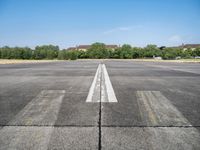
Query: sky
{"points": [[69, 23]]}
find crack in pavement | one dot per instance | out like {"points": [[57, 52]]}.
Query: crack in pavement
{"points": [[99, 145]]}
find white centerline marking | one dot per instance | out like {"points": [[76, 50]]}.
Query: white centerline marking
{"points": [[101, 84], [92, 88], [109, 87]]}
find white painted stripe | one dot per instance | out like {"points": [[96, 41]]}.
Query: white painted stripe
{"points": [[156, 109], [109, 87], [92, 88], [101, 87], [104, 95], [42, 110]]}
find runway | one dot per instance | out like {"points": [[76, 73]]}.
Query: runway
{"points": [[100, 104]]}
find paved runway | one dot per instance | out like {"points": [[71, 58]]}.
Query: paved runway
{"points": [[100, 104]]}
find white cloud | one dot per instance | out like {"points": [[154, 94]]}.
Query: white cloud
{"points": [[175, 38], [120, 29]]}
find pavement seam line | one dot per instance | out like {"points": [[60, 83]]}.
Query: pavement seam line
{"points": [[114, 126], [20, 125], [99, 144]]}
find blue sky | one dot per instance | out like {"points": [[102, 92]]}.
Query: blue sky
{"points": [[73, 22]]}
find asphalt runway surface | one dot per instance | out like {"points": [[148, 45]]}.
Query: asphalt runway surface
{"points": [[100, 104]]}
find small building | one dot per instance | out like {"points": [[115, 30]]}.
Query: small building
{"points": [[71, 48], [85, 47], [189, 46]]}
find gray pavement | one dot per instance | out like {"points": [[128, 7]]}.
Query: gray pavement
{"points": [[43, 106]]}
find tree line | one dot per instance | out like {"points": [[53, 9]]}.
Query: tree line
{"points": [[40, 52], [97, 51]]}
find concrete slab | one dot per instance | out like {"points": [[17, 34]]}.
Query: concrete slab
{"points": [[72, 138], [43, 138], [74, 111], [24, 138], [149, 138]]}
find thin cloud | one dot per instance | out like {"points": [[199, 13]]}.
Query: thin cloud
{"points": [[175, 38], [120, 29]]}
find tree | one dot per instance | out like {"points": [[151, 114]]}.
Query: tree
{"points": [[62, 54], [5, 52], [27, 53], [136, 52], [196, 52], [171, 53], [151, 51], [82, 54], [46, 52], [98, 51], [186, 53], [126, 52], [116, 53], [72, 55]]}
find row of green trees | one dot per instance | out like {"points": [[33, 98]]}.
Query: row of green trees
{"points": [[40, 52], [99, 51], [96, 51]]}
